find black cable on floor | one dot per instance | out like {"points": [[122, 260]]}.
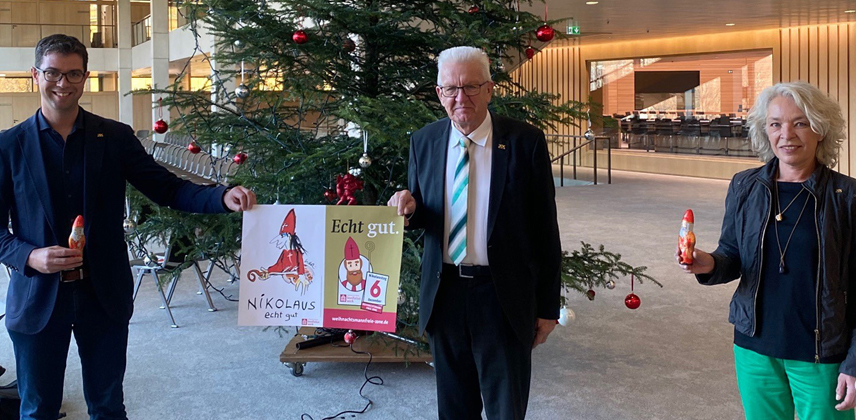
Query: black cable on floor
{"points": [[220, 291], [374, 380]]}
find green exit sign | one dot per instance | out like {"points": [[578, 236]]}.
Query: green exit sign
{"points": [[573, 30]]}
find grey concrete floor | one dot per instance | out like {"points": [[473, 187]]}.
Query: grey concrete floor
{"points": [[669, 359]]}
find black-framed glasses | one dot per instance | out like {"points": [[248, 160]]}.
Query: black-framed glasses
{"points": [[469, 90], [54, 75]]}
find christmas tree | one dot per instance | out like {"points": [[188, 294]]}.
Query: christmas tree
{"points": [[307, 91]]}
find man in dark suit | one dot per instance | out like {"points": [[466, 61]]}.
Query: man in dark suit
{"points": [[481, 186], [60, 163]]}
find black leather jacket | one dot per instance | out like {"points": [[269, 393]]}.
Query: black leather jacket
{"points": [[739, 254]]}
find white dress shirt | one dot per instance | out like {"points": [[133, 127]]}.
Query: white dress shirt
{"points": [[478, 193]]}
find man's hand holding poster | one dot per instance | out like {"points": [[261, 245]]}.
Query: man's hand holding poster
{"points": [[330, 266]]}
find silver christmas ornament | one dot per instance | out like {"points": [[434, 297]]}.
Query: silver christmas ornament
{"points": [[239, 43], [355, 171], [401, 297], [589, 135], [365, 160], [242, 91], [566, 315], [129, 226], [610, 284]]}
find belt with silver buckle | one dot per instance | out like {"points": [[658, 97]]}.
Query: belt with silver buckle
{"points": [[467, 271], [69, 276]]}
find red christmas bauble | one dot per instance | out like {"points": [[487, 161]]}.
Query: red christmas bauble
{"points": [[300, 36], [530, 52], [349, 45], [240, 158], [590, 294], [632, 301], [350, 337], [545, 33], [330, 195], [194, 148], [473, 10], [161, 126]]}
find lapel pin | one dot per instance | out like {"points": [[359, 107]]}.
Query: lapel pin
{"points": [[501, 146], [99, 135], [838, 191]]}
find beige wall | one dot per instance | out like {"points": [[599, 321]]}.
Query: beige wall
{"points": [[34, 19], [824, 56], [23, 105]]}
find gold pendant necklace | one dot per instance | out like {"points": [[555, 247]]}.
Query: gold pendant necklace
{"points": [[781, 213], [782, 268]]}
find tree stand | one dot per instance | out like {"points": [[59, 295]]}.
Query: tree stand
{"points": [[384, 348]]}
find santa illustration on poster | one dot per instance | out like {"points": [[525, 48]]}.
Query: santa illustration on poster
{"points": [[284, 280], [353, 271], [284, 271]]}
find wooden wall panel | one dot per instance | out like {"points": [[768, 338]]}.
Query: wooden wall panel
{"points": [[846, 166], [844, 88], [24, 12], [5, 12], [785, 44], [804, 56], [822, 59]]}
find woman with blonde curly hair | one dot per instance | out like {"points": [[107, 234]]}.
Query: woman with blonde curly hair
{"points": [[788, 236]]}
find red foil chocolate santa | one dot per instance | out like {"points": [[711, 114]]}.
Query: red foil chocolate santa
{"points": [[686, 238]]}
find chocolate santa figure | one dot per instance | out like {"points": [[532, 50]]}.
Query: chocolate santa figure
{"points": [[290, 263], [354, 280], [76, 240], [686, 238]]}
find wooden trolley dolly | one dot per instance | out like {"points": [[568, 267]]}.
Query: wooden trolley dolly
{"points": [[384, 349]]}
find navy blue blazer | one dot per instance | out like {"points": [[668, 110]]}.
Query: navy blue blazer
{"points": [[112, 156], [523, 245]]}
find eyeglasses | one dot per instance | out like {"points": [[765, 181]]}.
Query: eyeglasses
{"points": [[53, 75], [469, 90]]}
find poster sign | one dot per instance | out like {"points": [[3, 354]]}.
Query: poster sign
{"points": [[320, 266]]}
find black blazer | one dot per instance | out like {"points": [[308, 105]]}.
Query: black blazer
{"points": [[112, 156], [524, 250]]}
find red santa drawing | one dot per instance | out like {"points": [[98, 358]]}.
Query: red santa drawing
{"points": [[290, 264], [352, 274], [354, 280]]}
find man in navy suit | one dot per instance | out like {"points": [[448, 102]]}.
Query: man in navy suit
{"points": [[481, 186], [60, 163]]}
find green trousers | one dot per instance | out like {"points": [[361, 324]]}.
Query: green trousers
{"points": [[774, 388]]}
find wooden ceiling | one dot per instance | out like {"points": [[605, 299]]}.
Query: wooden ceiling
{"points": [[623, 20]]}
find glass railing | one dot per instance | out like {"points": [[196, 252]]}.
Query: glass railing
{"points": [[142, 31], [28, 35]]}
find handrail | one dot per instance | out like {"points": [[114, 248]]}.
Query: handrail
{"points": [[574, 150], [28, 34]]}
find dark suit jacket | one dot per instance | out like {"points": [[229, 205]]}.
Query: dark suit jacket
{"points": [[112, 156], [524, 250]]}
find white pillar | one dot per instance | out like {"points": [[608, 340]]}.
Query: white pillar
{"points": [[220, 89], [126, 102], [160, 56]]}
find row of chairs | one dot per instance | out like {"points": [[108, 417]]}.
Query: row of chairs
{"points": [[199, 167], [166, 263], [720, 136]]}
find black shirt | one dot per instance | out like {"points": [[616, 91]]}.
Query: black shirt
{"points": [[64, 172], [787, 302]]}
